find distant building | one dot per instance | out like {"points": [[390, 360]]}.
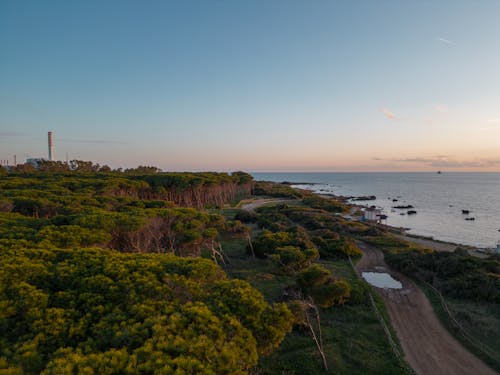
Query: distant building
{"points": [[373, 214], [35, 162]]}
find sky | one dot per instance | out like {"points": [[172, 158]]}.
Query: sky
{"points": [[265, 85]]}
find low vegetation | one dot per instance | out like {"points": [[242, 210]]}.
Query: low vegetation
{"points": [[139, 271], [455, 275]]}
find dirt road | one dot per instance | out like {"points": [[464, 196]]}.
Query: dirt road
{"points": [[428, 347]]}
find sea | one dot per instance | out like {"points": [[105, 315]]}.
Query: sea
{"points": [[438, 198]]}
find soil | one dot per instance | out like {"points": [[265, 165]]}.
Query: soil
{"points": [[428, 347]]}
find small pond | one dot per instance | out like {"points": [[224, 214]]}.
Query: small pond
{"points": [[381, 280]]}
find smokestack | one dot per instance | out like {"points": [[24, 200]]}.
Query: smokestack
{"points": [[51, 147]]}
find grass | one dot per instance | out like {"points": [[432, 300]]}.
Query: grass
{"points": [[481, 321], [354, 344], [354, 340]]}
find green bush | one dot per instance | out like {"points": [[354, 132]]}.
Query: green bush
{"points": [[331, 293], [293, 258], [317, 282], [313, 276], [342, 247]]}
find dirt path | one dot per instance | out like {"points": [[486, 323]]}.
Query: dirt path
{"points": [[252, 205], [428, 347]]}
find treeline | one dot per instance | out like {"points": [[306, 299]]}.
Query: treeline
{"points": [[91, 311], [182, 188], [133, 213]]}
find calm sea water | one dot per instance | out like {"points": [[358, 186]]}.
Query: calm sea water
{"points": [[437, 198]]}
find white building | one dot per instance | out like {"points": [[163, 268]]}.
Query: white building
{"points": [[372, 214]]}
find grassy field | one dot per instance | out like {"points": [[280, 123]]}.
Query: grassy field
{"points": [[353, 337]]}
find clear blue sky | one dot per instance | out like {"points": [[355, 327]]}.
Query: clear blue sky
{"points": [[254, 85]]}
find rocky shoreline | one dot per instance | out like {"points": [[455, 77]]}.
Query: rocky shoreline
{"points": [[431, 242]]}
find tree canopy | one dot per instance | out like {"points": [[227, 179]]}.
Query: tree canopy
{"points": [[98, 311]]}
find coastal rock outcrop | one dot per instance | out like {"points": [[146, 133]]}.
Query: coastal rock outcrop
{"points": [[365, 198]]}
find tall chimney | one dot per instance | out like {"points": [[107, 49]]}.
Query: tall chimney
{"points": [[51, 147]]}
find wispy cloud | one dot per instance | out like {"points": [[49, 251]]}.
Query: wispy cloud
{"points": [[446, 41], [94, 141], [11, 134], [389, 114], [445, 162]]}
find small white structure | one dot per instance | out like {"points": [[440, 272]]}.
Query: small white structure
{"points": [[372, 214]]}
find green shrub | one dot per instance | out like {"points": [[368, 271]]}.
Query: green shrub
{"points": [[331, 293], [293, 258], [313, 276]]}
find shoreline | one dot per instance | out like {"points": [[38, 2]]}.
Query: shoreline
{"points": [[401, 232]]}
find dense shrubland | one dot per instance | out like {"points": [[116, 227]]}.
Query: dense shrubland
{"points": [[457, 275], [97, 311], [90, 280], [295, 238], [306, 228]]}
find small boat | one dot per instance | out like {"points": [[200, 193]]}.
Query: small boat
{"points": [[470, 218], [465, 212], [438, 172], [411, 212]]}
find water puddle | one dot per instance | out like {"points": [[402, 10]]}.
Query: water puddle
{"points": [[381, 280]]}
